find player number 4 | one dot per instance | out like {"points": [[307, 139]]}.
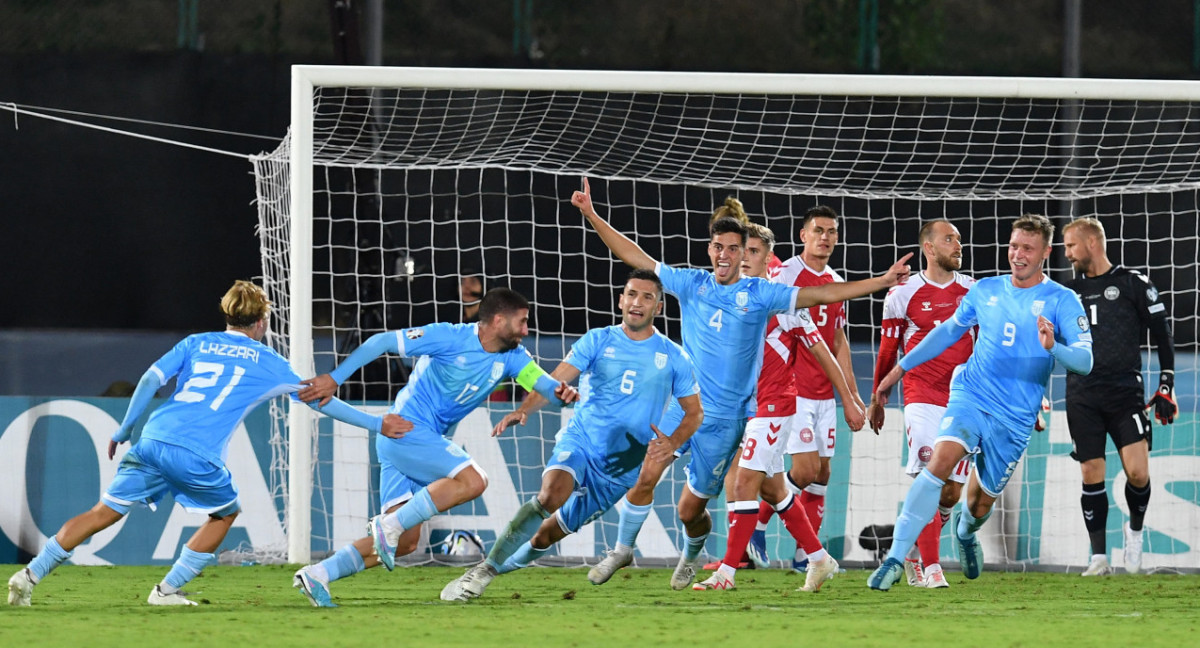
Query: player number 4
{"points": [[205, 375], [715, 321]]}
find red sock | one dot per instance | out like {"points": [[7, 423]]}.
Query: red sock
{"points": [[930, 540], [795, 519], [814, 506], [765, 511], [741, 526]]}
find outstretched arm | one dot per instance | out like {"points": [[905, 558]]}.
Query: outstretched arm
{"points": [[146, 388], [841, 291], [564, 373], [620, 245], [323, 387]]}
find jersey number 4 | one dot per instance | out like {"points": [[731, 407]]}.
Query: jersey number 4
{"points": [[204, 376]]}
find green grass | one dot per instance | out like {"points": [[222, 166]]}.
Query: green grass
{"points": [[242, 606]]}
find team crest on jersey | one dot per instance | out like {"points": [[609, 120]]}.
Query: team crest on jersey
{"points": [[1152, 293], [701, 290], [1038, 307], [413, 334], [1111, 293], [742, 298], [497, 370], [660, 359]]}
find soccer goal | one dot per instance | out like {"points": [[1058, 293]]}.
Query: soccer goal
{"points": [[394, 183]]}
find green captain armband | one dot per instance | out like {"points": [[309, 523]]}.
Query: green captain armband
{"points": [[529, 376]]}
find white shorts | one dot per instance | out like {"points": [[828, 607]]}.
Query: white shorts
{"points": [[922, 423], [764, 442], [815, 425]]}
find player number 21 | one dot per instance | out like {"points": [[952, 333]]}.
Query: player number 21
{"points": [[205, 375]]}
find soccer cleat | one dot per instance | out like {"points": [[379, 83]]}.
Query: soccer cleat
{"points": [[818, 573], [470, 585], [718, 581], [20, 588], [800, 562], [1133, 549], [1098, 566], [379, 541], [970, 553], [613, 560], [684, 574], [757, 550], [314, 590], [935, 578], [914, 573], [157, 597], [886, 575]]}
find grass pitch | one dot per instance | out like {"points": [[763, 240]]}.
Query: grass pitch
{"points": [[552, 607]]}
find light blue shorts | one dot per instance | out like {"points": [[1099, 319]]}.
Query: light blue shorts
{"points": [[151, 469], [997, 447], [414, 461], [712, 448], [594, 493]]}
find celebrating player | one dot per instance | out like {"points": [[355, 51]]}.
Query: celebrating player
{"points": [[422, 473], [769, 434], [632, 372], [1121, 305], [1026, 322], [222, 376], [910, 311], [724, 319], [815, 407]]}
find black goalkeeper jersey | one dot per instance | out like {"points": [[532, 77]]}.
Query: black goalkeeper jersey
{"points": [[1121, 305]]}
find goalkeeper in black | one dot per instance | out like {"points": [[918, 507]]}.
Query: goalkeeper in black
{"points": [[1121, 304]]}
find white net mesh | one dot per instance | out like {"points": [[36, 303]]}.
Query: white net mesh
{"points": [[415, 188]]}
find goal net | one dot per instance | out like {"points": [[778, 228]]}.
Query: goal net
{"points": [[394, 184]]}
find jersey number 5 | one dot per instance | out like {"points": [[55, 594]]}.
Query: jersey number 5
{"points": [[204, 376]]}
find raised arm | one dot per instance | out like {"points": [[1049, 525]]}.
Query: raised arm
{"points": [[323, 387], [841, 291], [564, 373], [620, 245]]}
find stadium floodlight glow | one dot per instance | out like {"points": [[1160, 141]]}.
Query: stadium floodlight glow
{"points": [[434, 170]]}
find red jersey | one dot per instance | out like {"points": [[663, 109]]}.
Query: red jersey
{"points": [[786, 335], [910, 311], [811, 381]]}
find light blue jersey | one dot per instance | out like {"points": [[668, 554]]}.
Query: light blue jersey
{"points": [[452, 376], [723, 331], [624, 389], [222, 376], [1007, 373]]}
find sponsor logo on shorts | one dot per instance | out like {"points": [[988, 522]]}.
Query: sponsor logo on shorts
{"points": [[924, 454], [773, 433]]}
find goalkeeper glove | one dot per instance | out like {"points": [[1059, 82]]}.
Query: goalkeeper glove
{"points": [[1163, 400]]}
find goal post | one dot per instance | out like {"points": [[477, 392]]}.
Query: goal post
{"points": [[394, 182]]}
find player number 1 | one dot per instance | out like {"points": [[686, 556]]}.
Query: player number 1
{"points": [[1092, 308]]}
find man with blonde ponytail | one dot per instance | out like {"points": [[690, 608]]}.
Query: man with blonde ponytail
{"points": [[724, 317], [221, 376]]}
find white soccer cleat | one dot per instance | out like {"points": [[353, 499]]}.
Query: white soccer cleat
{"points": [[1133, 549], [718, 581], [1098, 566], [684, 574], [157, 597], [470, 585], [914, 573], [935, 578], [20, 588], [314, 590], [613, 560], [818, 573]]}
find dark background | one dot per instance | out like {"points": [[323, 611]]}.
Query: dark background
{"points": [[107, 231]]}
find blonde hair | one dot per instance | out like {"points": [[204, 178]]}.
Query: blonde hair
{"points": [[244, 304], [762, 233], [1035, 224], [732, 208], [1088, 226]]}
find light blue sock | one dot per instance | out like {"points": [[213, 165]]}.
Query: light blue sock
{"points": [[633, 516], [346, 562], [522, 527], [189, 565], [693, 547], [416, 510], [52, 555], [969, 524], [521, 558], [919, 508]]}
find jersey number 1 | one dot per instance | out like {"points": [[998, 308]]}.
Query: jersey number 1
{"points": [[205, 375]]}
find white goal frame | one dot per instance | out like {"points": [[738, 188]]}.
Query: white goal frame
{"points": [[305, 78]]}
